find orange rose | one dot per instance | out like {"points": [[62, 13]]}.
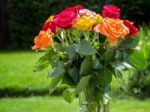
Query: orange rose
{"points": [[113, 29], [43, 40]]}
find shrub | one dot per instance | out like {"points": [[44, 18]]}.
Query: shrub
{"points": [[139, 82]]}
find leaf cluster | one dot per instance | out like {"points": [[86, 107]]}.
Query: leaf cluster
{"points": [[85, 59]]}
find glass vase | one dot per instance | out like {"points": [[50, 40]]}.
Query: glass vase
{"points": [[88, 103]]}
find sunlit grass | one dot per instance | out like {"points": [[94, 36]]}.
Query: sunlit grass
{"points": [[57, 104], [16, 71]]}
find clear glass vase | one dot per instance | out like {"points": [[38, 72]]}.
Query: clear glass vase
{"points": [[87, 103]]}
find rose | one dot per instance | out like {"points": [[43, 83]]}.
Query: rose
{"points": [[111, 11], [65, 19], [86, 19], [50, 25], [43, 40], [74, 9], [87, 12], [86, 22], [133, 31], [113, 29]]}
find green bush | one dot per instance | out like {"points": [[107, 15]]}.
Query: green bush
{"points": [[139, 82]]}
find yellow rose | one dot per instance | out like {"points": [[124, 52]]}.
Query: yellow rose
{"points": [[98, 19], [86, 22]]}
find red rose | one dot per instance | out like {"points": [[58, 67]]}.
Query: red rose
{"points": [[50, 25], [132, 29], [65, 19], [111, 11], [74, 9]]}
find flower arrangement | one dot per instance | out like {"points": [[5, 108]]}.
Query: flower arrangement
{"points": [[85, 50]]}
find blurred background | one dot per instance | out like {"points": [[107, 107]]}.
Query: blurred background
{"points": [[23, 90]]}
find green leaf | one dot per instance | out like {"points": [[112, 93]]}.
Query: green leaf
{"points": [[58, 47], [69, 95], [96, 64], [82, 84], [67, 80], [85, 48], [98, 94], [117, 54], [96, 35], [118, 73], [71, 51], [42, 63], [109, 54], [126, 53], [54, 83], [57, 71], [146, 50], [45, 60], [74, 73], [129, 42], [85, 66], [105, 77], [40, 67], [118, 65], [137, 59]]}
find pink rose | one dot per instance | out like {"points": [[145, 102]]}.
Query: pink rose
{"points": [[50, 25], [111, 11], [133, 31], [65, 19], [74, 9]]}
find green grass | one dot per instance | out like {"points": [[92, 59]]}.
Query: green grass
{"points": [[57, 104], [16, 71]]}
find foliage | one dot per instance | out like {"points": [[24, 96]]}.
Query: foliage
{"points": [[140, 81], [76, 70], [139, 10]]}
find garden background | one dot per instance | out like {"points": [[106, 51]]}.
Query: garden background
{"points": [[21, 89]]}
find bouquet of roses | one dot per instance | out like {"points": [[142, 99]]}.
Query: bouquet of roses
{"points": [[85, 50]]}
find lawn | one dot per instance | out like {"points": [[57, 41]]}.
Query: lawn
{"points": [[16, 71], [57, 104]]}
